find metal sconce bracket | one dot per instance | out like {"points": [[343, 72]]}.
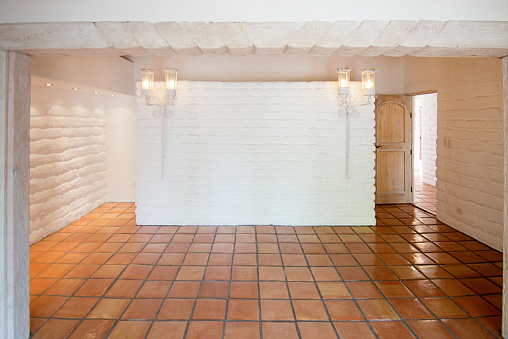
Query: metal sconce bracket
{"points": [[348, 110], [164, 105], [163, 112]]}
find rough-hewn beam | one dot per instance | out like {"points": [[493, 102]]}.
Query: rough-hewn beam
{"points": [[343, 38]]}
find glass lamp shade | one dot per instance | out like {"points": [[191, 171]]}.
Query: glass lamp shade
{"points": [[147, 76], [343, 79], [171, 75], [368, 81]]}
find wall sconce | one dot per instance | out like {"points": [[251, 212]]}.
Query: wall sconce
{"points": [[348, 108], [368, 87], [369, 83], [164, 102], [344, 74]]}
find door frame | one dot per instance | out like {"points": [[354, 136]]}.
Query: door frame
{"points": [[412, 95]]}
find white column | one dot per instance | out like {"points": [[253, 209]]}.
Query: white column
{"points": [[505, 234], [14, 185]]}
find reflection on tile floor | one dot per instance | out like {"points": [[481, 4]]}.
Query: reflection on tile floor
{"points": [[410, 276], [424, 194]]}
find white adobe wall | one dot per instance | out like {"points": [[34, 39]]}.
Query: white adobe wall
{"points": [[121, 148], [68, 159], [255, 153], [470, 146], [427, 106]]}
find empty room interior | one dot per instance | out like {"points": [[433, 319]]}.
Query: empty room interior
{"points": [[267, 176]]}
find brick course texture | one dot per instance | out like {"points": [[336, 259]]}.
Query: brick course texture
{"points": [[68, 158], [241, 153], [470, 160]]}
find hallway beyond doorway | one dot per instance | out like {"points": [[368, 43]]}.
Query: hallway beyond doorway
{"points": [[424, 194]]}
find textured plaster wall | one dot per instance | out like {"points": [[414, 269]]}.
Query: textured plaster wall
{"points": [[68, 158], [255, 153], [470, 145]]}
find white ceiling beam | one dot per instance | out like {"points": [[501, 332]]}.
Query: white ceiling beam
{"points": [[120, 38], [270, 37], [344, 38], [178, 38], [148, 37]]}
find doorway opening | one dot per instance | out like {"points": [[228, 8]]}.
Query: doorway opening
{"points": [[424, 109]]}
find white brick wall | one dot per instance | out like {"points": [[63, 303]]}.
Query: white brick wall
{"points": [[255, 153], [470, 160], [68, 168], [427, 106]]}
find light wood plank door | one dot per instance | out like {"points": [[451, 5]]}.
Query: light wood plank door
{"points": [[393, 149]]}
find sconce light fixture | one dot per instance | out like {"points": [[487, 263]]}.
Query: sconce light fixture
{"points": [[171, 78], [368, 87], [348, 108], [163, 103]]}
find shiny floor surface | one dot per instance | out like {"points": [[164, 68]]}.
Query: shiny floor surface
{"points": [[424, 194], [409, 276]]}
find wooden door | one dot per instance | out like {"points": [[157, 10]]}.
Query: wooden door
{"points": [[393, 149]]}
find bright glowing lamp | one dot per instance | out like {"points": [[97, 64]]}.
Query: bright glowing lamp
{"points": [[343, 79], [147, 76]]}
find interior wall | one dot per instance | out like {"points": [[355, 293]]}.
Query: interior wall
{"points": [[470, 145], [255, 153], [68, 158], [256, 11], [121, 148], [82, 146], [389, 71]]}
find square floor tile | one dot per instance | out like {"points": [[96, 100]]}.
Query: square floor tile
{"points": [[354, 330], [272, 310], [245, 330], [277, 330], [444, 308], [167, 329], [343, 310], [176, 309], [243, 310], [310, 310], [244, 290], [209, 309], [205, 329], [273, 290], [310, 330], [154, 289], [57, 328], [391, 329], [130, 329], [377, 309], [76, 307], [124, 288]]}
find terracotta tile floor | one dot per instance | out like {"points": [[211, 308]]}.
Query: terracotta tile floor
{"points": [[410, 276], [424, 194]]}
